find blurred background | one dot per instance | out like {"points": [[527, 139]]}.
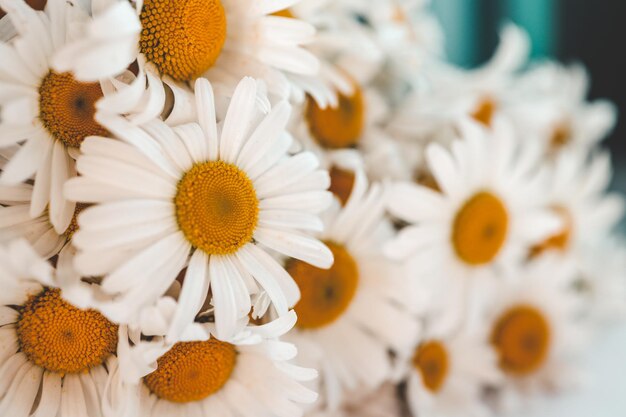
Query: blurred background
{"points": [[587, 31]]}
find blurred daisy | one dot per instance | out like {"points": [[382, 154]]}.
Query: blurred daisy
{"points": [[550, 106], [352, 314], [578, 195], [246, 376], [191, 190], [489, 210], [222, 40], [354, 124], [448, 371], [431, 113], [55, 358], [601, 280], [536, 330], [49, 111], [383, 402]]}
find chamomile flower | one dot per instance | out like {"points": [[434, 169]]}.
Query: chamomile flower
{"points": [[246, 375], [601, 280], [352, 314], [212, 192], [550, 105], [536, 331], [50, 112], [448, 371], [577, 193], [430, 114], [383, 402], [55, 358], [222, 40], [489, 209]]}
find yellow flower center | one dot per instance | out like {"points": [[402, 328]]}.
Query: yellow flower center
{"points": [[191, 371], [480, 229], [341, 183], [284, 13], [337, 127], [73, 226], [326, 293], [561, 136], [62, 338], [560, 241], [521, 337], [431, 360], [216, 207], [67, 108], [183, 38], [484, 111]]}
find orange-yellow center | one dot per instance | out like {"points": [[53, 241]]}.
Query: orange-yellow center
{"points": [[67, 108], [191, 371], [326, 293], [431, 360], [484, 111], [183, 38], [62, 338], [341, 183], [559, 241], [284, 13], [73, 226], [561, 136], [480, 228], [521, 337], [337, 127], [216, 207]]}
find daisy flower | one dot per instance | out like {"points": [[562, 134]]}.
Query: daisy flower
{"points": [[352, 314], [449, 94], [214, 192], [247, 375], [550, 105], [536, 331], [489, 210], [222, 40], [601, 279], [48, 113], [55, 358], [448, 370], [577, 193]]}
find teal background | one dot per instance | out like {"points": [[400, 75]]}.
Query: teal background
{"points": [[471, 26]]}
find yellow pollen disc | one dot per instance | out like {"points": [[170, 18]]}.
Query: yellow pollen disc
{"points": [[326, 293], [183, 38], [484, 111], [559, 241], [521, 336], [480, 228], [431, 360], [73, 226], [191, 371], [337, 127], [216, 207], [561, 135], [284, 13], [341, 183], [61, 338], [67, 108]]}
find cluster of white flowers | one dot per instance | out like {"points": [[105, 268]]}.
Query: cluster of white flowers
{"points": [[247, 208]]}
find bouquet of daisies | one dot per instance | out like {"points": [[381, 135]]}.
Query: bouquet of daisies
{"points": [[235, 208]]}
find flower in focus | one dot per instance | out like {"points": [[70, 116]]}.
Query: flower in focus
{"points": [[213, 192]]}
